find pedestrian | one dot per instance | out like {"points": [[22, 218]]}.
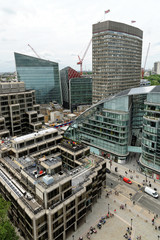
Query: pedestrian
{"points": [[125, 205], [127, 229], [125, 235], [114, 210]]}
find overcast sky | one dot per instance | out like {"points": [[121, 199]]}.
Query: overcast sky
{"points": [[59, 30]]}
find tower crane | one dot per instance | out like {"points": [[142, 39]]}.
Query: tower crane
{"points": [[145, 61], [34, 51], [81, 59]]}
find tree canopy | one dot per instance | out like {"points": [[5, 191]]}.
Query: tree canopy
{"points": [[154, 79], [7, 231]]}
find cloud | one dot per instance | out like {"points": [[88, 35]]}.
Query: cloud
{"points": [[8, 11], [61, 30]]}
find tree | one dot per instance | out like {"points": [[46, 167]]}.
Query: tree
{"points": [[7, 231], [154, 79]]}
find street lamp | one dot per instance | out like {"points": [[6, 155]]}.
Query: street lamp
{"points": [[108, 208], [131, 223], [146, 177]]}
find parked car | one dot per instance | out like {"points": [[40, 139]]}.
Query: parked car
{"points": [[107, 170], [127, 180]]}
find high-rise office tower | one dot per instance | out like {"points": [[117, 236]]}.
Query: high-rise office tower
{"points": [[40, 75], [117, 50], [157, 67], [76, 89]]}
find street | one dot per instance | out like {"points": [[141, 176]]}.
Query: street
{"points": [[139, 211], [140, 197]]}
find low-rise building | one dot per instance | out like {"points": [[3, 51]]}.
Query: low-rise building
{"points": [[19, 113], [50, 193]]}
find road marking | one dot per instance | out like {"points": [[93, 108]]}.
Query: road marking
{"points": [[139, 198], [124, 196]]}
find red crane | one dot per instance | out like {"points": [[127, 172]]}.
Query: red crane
{"points": [[81, 59]]}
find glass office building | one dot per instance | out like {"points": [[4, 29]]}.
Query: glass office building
{"points": [[116, 58], [76, 89], [128, 122], [40, 75]]}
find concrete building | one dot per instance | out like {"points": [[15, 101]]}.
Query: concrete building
{"points": [[76, 89], [50, 195], [128, 122], [19, 113], [156, 68], [40, 75], [116, 54]]}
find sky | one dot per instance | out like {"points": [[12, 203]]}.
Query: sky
{"points": [[60, 30]]}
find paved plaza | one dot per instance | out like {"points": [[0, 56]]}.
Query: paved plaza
{"points": [[115, 227]]}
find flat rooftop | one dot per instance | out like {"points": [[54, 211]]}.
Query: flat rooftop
{"points": [[33, 135], [72, 145]]}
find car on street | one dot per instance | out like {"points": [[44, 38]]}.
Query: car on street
{"points": [[127, 180]]}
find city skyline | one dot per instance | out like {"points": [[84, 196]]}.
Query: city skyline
{"points": [[60, 31]]}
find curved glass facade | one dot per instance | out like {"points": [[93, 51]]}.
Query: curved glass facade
{"points": [[102, 127], [40, 75], [123, 123], [151, 132]]}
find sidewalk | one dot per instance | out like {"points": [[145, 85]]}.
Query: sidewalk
{"points": [[115, 227], [137, 176]]}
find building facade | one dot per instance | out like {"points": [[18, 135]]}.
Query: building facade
{"points": [[157, 68], [76, 89], [50, 196], [116, 58], [18, 110], [40, 75], [125, 123]]}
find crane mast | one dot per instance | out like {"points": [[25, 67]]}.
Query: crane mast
{"points": [[34, 51], [81, 59], [145, 60]]}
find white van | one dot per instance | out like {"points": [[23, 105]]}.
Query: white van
{"points": [[151, 192]]}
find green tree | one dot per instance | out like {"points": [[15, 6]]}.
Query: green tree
{"points": [[7, 231], [154, 79]]}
